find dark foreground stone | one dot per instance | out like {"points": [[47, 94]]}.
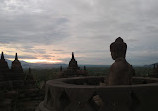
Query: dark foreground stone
{"points": [[85, 94]]}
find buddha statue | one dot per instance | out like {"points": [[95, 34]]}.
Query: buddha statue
{"points": [[120, 71]]}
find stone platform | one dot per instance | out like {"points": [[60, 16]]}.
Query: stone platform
{"points": [[85, 94]]}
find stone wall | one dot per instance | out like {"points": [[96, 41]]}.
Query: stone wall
{"points": [[75, 94]]}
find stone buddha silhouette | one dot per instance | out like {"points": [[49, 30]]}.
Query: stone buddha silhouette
{"points": [[120, 71]]}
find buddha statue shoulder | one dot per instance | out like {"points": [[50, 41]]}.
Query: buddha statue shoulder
{"points": [[120, 71]]}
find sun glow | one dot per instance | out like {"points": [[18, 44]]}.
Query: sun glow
{"points": [[42, 61]]}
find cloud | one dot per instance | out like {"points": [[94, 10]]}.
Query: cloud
{"points": [[19, 56], [47, 56], [28, 29], [86, 27], [58, 50], [90, 51]]}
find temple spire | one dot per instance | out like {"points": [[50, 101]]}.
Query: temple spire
{"points": [[29, 70], [61, 68], [85, 68], [16, 56], [73, 62], [2, 56], [16, 65], [154, 66], [73, 55]]}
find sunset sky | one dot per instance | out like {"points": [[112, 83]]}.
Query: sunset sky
{"points": [[49, 30]]}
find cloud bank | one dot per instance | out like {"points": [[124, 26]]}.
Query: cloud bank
{"points": [[52, 29]]}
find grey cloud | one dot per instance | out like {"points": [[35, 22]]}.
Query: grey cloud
{"points": [[131, 40], [30, 49], [40, 51], [19, 56], [90, 51], [63, 52], [85, 26], [65, 60], [58, 50], [33, 29], [143, 60], [47, 56]]}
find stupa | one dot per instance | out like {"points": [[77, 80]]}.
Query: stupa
{"points": [[154, 71], [14, 77], [19, 93], [3, 65], [73, 70], [86, 93], [16, 65], [73, 63], [29, 76]]}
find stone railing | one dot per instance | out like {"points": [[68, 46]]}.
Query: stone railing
{"points": [[85, 94]]}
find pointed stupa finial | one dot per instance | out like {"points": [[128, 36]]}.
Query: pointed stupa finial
{"points": [[154, 66], [29, 70], [16, 56], [73, 55], [61, 68], [85, 68], [2, 56]]}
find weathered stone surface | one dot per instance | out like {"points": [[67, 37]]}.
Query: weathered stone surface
{"points": [[122, 92], [120, 71], [68, 95]]}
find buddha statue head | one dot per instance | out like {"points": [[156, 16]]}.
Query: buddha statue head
{"points": [[118, 49]]}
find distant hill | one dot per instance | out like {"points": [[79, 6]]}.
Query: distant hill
{"points": [[43, 66], [151, 65], [23, 63], [9, 62], [95, 65], [26, 65]]}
